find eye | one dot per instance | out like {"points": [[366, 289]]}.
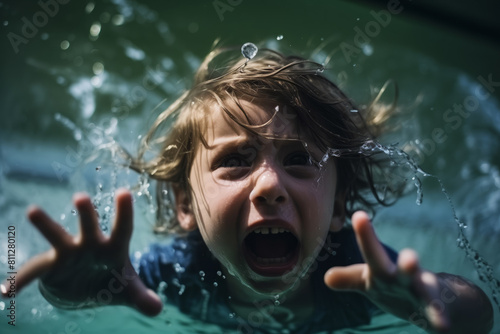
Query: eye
{"points": [[233, 161], [298, 159]]}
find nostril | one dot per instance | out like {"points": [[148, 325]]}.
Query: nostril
{"points": [[269, 200], [261, 199], [280, 199]]}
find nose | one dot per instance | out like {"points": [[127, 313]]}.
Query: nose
{"points": [[269, 188]]}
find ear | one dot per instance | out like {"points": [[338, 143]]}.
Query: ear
{"points": [[338, 218], [183, 208]]}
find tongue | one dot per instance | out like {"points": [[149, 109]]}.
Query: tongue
{"points": [[269, 246]]}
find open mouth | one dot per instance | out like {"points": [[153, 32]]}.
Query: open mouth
{"points": [[271, 251]]}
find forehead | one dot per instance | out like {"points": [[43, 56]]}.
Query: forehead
{"points": [[271, 120]]}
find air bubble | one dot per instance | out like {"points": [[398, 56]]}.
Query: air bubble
{"points": [[279, 37]]}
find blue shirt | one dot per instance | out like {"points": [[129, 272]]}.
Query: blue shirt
{"points": [[191, 278]]}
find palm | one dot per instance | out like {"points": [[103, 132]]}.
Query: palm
{"points": [[400, 288], [89, 269]]}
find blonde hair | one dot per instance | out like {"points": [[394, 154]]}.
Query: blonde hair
{"points": [[323, 111]]}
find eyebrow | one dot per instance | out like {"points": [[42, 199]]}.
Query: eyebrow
{"points": [[235, 141]]}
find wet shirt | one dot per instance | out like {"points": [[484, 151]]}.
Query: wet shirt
{"points": [[186, 273]]}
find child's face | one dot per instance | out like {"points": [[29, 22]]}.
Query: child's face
{"points": [[262, 207]]}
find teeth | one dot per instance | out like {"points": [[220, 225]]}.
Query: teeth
{"points": [[272, 260], [272, 230]]}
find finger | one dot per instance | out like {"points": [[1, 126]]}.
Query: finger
{"points": [[139, 296], [347, 278], [34, 268], [435, 308], [426, 286], [51, 230], [372, 250], [89, 223], [123, 226], [408, 262]]}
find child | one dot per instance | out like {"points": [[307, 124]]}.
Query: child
{"points": [[266, 158]]}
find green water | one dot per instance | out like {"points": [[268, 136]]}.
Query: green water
{"points": [[94, 71]]}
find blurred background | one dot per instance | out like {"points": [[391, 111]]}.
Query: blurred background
{"points": [[77, 76]]}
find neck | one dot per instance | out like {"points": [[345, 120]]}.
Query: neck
{"points": [[294, 305]]}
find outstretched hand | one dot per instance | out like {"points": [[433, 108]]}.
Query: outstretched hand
{"points": [[400, 288], [90, 269]]}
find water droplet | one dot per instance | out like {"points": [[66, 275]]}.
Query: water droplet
{"points": [[249, 50], [64, 45], [354, 110], [95, 30], [232, 315], [216, 284], [219, 273], [279, 37], [73, 212], [96, 81], [367, 49], [90, 7], [62, 217], [98, 168], [118, 19], [178, 268], [97, 68]]}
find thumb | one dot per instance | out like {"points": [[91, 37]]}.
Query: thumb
{"points": [[346, 278], [137, 294], [143, 299]]}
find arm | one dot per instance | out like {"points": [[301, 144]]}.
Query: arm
{"points": [[90, 269], [436, 302]]}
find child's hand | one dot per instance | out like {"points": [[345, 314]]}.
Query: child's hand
{"points": [[89, 269], [409, 292]]}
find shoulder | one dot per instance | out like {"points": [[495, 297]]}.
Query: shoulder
{"points": [[344, 248], [185, 273], [334, 309], [176, 260]]}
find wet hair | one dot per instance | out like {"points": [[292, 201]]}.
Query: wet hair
{"points": [[324, 113]]}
